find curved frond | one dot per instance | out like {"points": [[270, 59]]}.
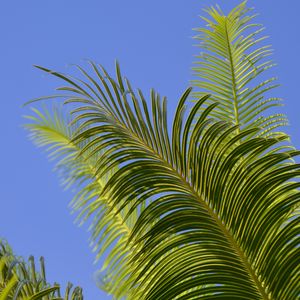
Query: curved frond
{"points": [[21, 281], [77, 167], [231, 68], [219, 224]]}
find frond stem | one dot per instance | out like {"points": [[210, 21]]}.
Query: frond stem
{"points": [[235, 246], [232, 71]]}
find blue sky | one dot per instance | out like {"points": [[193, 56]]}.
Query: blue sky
{"points": [[153, 42]]}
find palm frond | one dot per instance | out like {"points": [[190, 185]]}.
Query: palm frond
{"points": [[219, 225], [232, 69], [21, 281], [77, 167]]}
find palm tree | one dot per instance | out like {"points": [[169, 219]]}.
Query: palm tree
{"points": [[21, 281], [204, 209]]}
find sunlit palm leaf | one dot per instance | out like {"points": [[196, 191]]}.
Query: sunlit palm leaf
{"points": [[109, 231], [205, 234], [232, 68], [21, 281]]}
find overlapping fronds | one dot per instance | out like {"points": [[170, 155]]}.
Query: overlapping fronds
{"points": [[21, 281], [77, 167], [232, 69], [219, 224]]}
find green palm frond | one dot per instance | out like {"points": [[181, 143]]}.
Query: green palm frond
{"points": [[21, 281], [219, 224], [78, 168], [232, 67]]}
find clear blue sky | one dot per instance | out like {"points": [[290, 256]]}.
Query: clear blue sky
{"points": [[152, 40]]}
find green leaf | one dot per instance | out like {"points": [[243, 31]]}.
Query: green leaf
{"points": [[77, 167], [232, 69], [219, 218], [20, 281]]}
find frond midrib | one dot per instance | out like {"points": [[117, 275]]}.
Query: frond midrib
{"points": [[233, 77]]}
